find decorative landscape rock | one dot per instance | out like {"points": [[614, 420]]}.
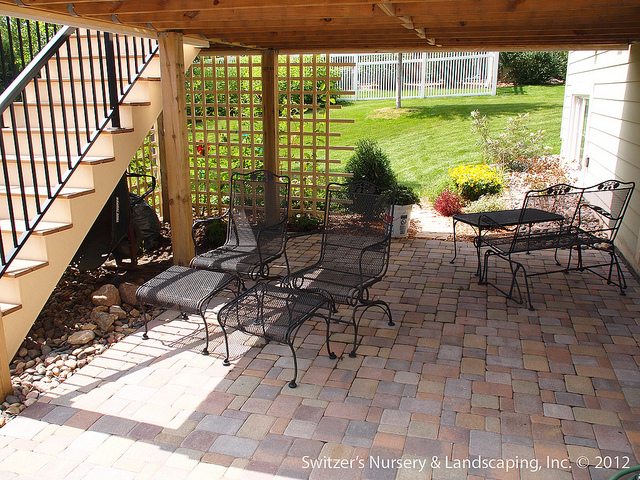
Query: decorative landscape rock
{"points": [[128, 293], [82, 337], [103, 320], [106, 295], [118, 311]]}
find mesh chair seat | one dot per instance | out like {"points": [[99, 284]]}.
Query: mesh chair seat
{"points": [[339, 285], [355, 249], [243, 260]]}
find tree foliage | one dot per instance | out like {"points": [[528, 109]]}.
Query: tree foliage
{"points": [[533, 68]]}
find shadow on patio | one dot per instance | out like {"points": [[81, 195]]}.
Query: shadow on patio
{"points": [[466, 385]]}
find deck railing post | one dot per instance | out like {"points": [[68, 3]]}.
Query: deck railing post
{"points": [[112, 80]]}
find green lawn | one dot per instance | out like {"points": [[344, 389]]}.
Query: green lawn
{"points": [[428, 136]]}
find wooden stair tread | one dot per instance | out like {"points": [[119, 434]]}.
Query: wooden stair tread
{"points": [[7, 308], [43, 228], [67, 192], [52, 160], [50, 131], [19, 267], [125, 102]]}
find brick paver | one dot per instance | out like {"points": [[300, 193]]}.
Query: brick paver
{"points": [[465, 375]]}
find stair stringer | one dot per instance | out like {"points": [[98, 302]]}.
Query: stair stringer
{"points": [[33, 288]]}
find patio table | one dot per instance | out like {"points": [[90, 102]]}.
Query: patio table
{"points": [[274, 313], [186, 289], [503, 218]]}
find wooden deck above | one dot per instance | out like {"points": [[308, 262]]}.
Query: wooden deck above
{"points": [[363, 25]]}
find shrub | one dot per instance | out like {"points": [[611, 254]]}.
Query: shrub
{"points": [[473, 181], [448, 203], [303, 222], [216, 233], [487, 203], [533, 68], [405, 195], [370, 163], [511, 147]]}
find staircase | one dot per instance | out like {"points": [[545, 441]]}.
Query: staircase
{"points": [[66, 140]]}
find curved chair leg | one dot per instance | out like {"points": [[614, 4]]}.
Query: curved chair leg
{"points": [[292, 383], [327, 319], [145, 335], [225, 362], [205, 350]]}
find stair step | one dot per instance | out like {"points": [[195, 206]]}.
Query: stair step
{"points": [[67, 192], [43, 228], [52, 160], [20, 267], [50, 131], [7, 308]]}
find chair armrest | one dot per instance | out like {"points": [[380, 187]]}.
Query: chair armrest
{"points": [[382, 247], [202, 221]]}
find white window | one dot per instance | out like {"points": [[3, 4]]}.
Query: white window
{"points": [[578, 133]]}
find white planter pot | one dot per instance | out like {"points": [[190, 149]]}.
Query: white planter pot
{"points": [[401, 219]]}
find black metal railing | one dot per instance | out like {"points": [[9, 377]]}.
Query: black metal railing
{"points": [[20, 41], [52, 113]]}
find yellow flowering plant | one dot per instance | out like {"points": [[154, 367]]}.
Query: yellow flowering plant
{"points": [[474, 181]]}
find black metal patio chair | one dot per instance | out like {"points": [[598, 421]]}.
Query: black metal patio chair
{"points": [[598, 221], [560, 203], [256, 227], [355, 249]]}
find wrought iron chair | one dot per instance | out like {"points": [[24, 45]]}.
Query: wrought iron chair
{"points": [[355, 249], [561, 202], [256, 228], [599, 218]]}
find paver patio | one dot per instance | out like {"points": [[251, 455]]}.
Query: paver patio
{"points": [[466, 385]]}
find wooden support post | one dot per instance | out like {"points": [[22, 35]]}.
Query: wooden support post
{"points": [[176, 148], [270, 110], [6, 388], [162, 161], [270, 126]]}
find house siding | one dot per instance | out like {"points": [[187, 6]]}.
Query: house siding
{"points": [[611, 81]]}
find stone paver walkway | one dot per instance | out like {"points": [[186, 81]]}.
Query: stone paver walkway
{"points": [[466, 385]]}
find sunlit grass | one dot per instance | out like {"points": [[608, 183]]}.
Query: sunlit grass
{"points": [[428, 136]]}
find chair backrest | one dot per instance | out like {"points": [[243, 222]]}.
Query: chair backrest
{"points": [[603, 207], [357, 228], [258, 210], [561, 201]]}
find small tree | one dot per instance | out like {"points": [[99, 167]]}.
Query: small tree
{"points": [[369, 162]]}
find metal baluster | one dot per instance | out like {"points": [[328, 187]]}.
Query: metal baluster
{"points": [[43, 143], [102, 77], [74, 100], [7, 186], [113, 86], [56, 149], [83, 86], [16, 146], [93, 78], [65, 123], [119, 63]]}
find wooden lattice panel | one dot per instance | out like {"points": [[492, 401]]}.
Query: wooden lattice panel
{"points": [[224, 110], [147, 162]]}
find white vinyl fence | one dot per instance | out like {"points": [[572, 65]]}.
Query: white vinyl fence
{"points": [[433, 74]]}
